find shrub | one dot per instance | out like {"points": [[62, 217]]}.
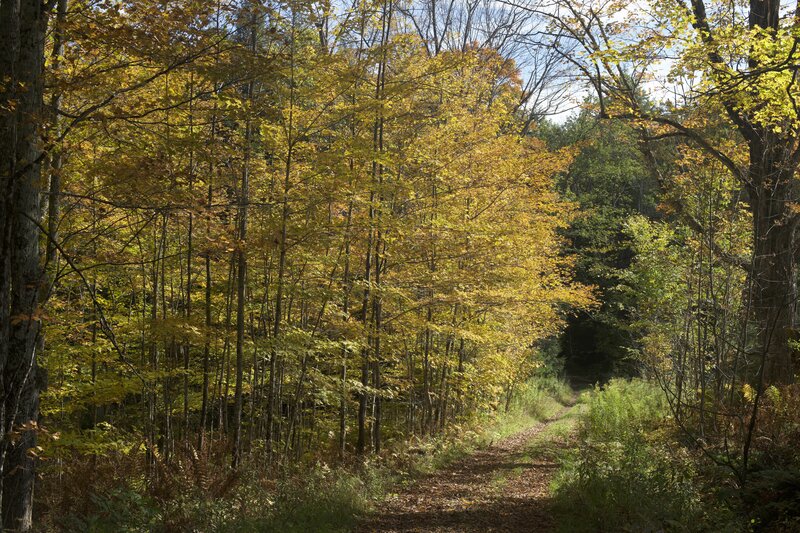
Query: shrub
{"points": [[541, 397], [119, 510], [621, 410], [620, 479]]}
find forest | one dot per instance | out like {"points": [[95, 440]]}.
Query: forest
{"points": [[399, 265]]}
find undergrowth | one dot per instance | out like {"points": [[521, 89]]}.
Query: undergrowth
{"points": [[195, 496], [630, 471], [538, 400]]}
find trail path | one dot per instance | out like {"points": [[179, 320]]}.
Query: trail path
{"points": [[504, 487]]}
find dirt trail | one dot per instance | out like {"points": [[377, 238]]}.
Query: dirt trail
{"points": [[504, 487]]}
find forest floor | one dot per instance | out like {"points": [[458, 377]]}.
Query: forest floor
{"points": [[503, 487]]}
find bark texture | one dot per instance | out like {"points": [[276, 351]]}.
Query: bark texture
{"points": [[22, 30]]}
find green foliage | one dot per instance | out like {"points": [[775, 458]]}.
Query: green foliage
{"points": [[536, 400], [622, 410], [626, 476], [610, 181], [323, 499], [540, 397], [120, 510]]}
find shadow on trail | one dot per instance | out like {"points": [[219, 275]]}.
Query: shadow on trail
{"points": [[502, 488], [512, 514]]}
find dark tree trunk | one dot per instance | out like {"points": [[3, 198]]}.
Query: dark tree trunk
{"points": [[56, 160], [22, 27], [241, 278], [770, 174], [774, 277]]}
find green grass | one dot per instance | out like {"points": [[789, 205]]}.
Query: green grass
{"points": [[553, 443], [538, 400], [323, 500], [541, 399], [549, 443], [626, 474]]}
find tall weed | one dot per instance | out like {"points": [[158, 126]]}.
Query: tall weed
{"points": [[626, 476]]}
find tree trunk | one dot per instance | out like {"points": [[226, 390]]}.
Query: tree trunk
{"points": [[363, 397], [774, 278], [281, 280], [241, 279], [56, 160], [22, 26]]}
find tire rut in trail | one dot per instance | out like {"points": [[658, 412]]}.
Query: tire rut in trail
{"points": [[500, 488]]}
